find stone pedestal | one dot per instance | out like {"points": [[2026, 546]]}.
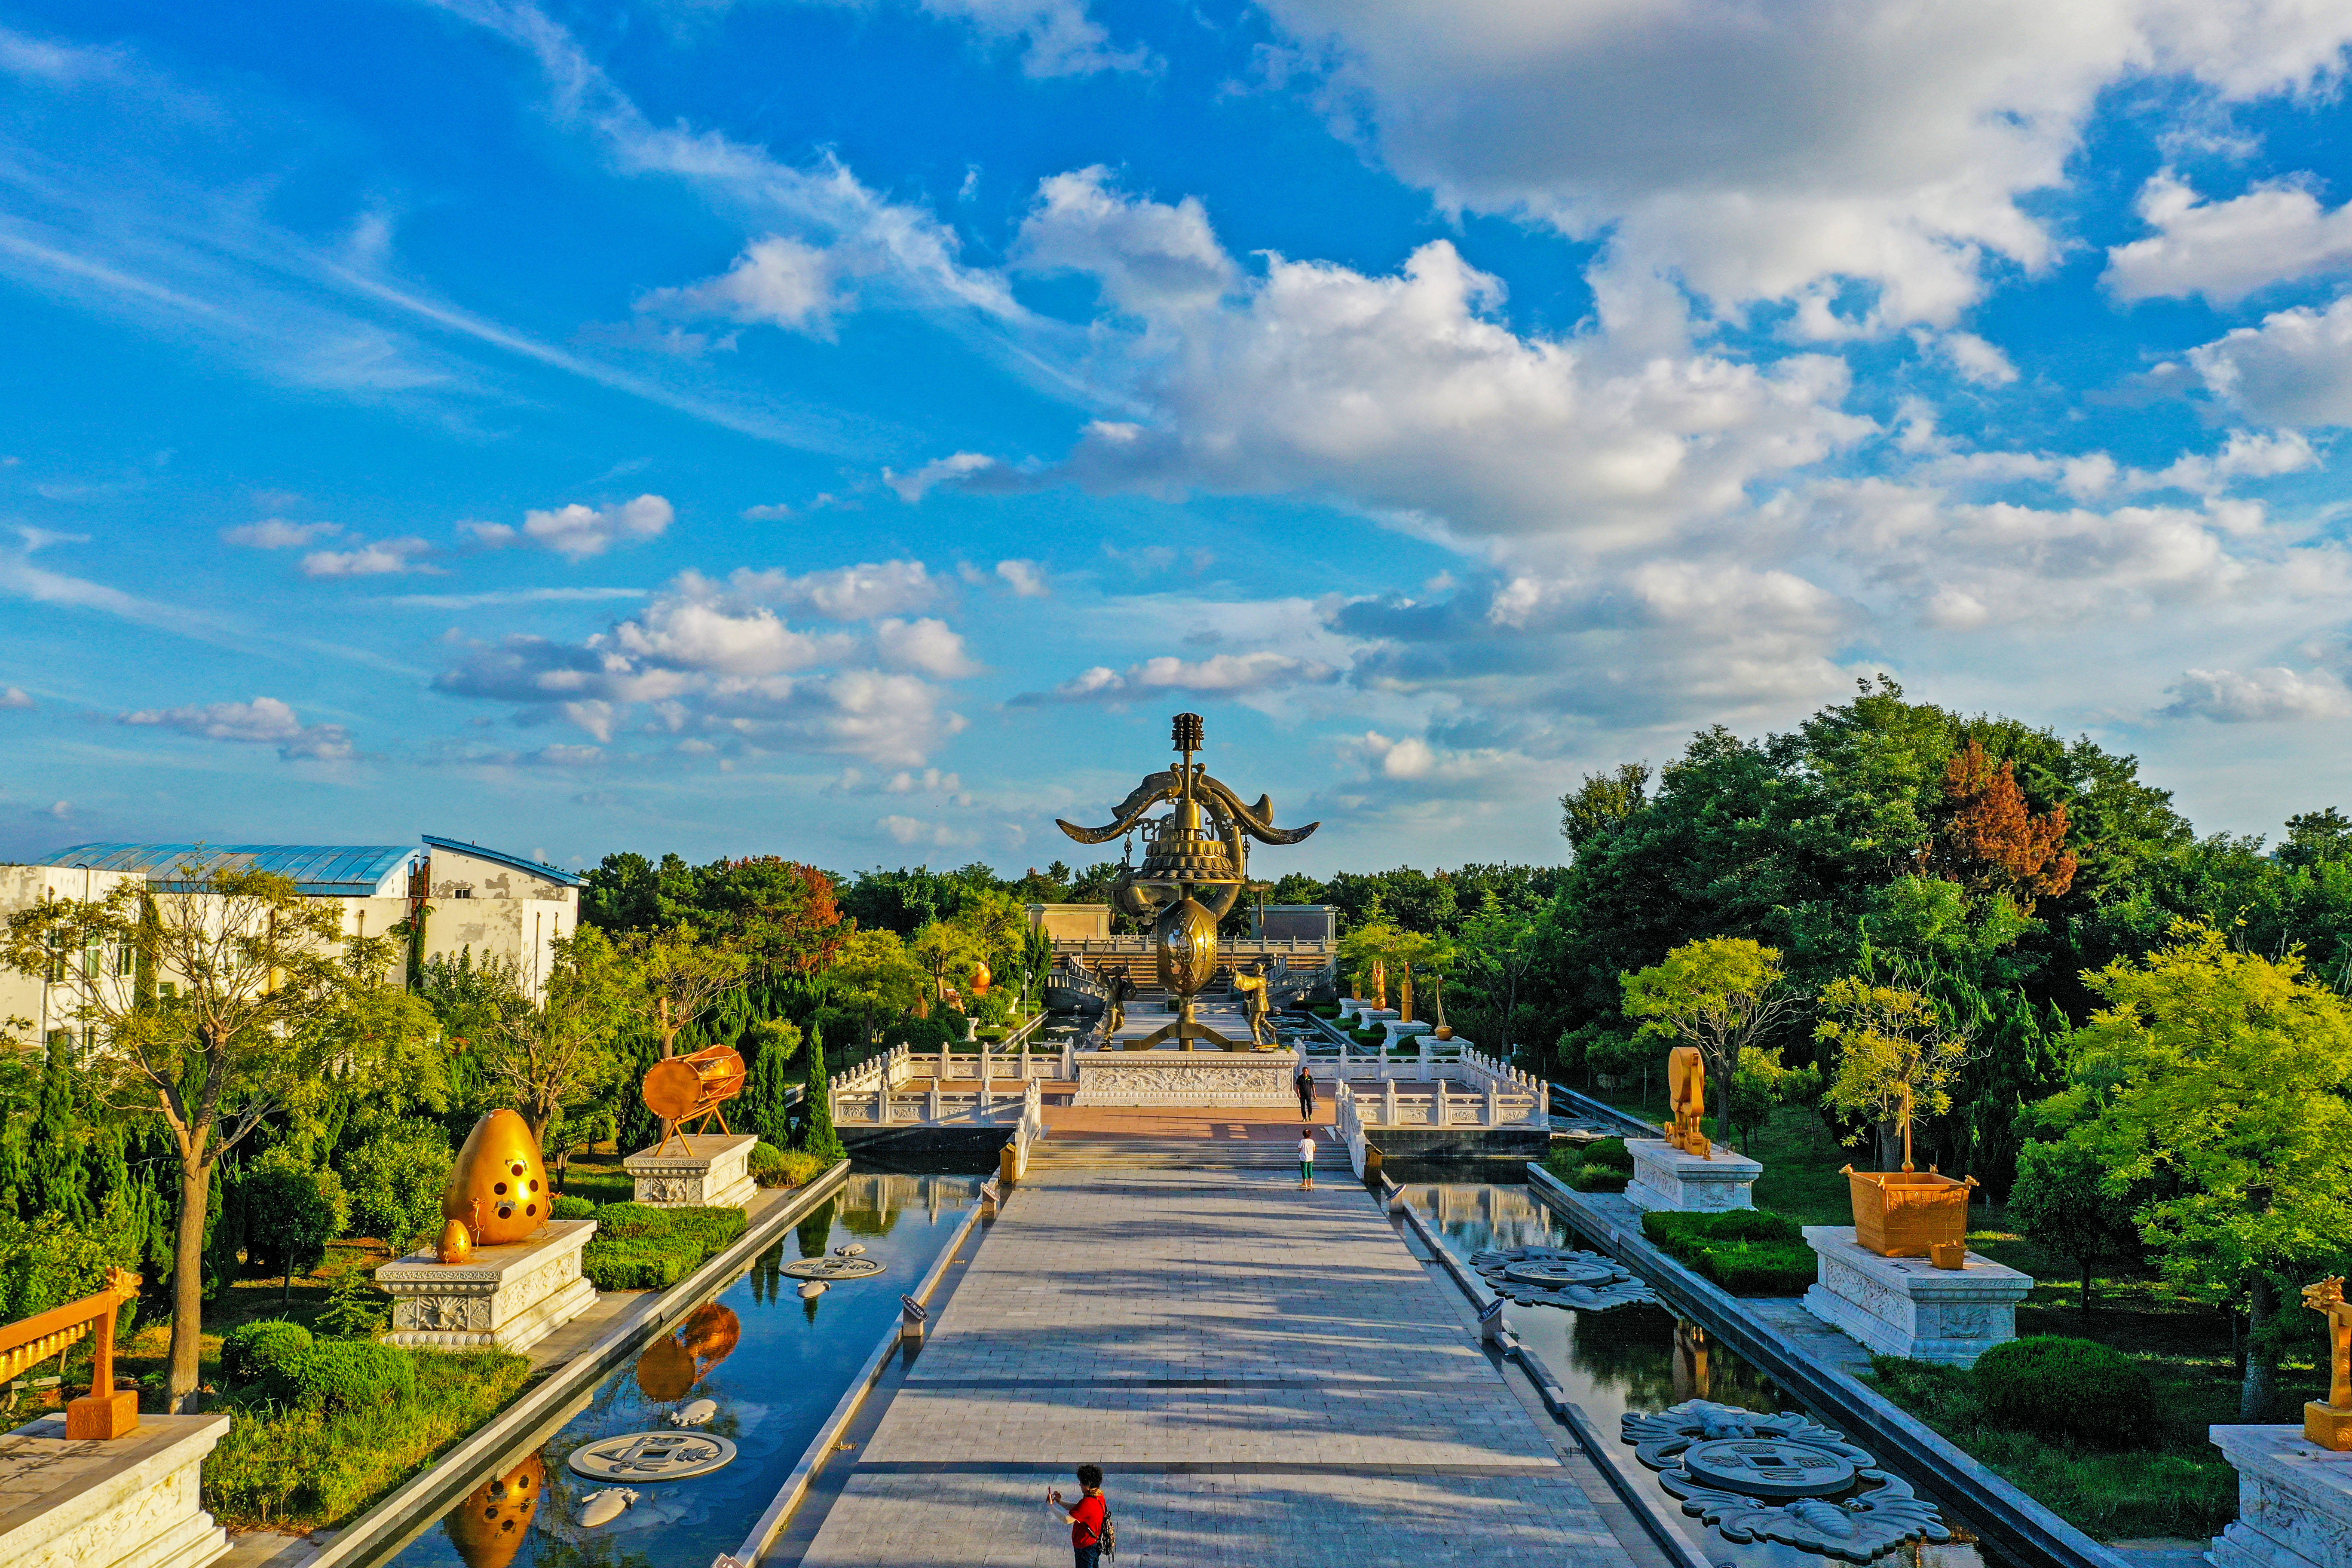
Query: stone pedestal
{"points": [[1907, 1306], [2295, 1501], [510, 1297], [124, 1502], [1397, 1031], [1666, 1178], [705, 1170], [1186, 1078]]}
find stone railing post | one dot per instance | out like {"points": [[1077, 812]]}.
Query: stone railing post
{"points": [[1494, 1109], [1422, 1042], [931, 1104], [1437, 1102], [1388, 1102], [947, 1062], [984, 1063]]}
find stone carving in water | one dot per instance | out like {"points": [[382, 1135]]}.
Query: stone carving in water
{"points": [[1562, 1277], [1783, 1477]]}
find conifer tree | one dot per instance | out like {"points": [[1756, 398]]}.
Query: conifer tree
{"points": [[768, 1097], [820, 1140]]}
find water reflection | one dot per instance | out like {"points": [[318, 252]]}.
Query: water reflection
{"points": [[1633, 1359], [773, 1363]]}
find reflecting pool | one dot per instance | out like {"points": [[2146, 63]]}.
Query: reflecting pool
{"points": [[772, 1363], [1639, 1359]]}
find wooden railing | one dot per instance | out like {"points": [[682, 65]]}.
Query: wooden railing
{"points": [[104, 1413]]}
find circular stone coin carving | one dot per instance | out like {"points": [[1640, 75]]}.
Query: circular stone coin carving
{"points": [[1555, 1272], [831, 1269], [652, 1456], [1769, 1467]]}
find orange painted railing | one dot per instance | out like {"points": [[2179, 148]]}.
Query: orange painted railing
{"points": [[104, 1413]]}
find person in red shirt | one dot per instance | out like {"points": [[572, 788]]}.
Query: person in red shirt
{"points": [[1087, 1517]]}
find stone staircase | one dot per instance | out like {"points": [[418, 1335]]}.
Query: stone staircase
{"points": [[1179, 1154]]}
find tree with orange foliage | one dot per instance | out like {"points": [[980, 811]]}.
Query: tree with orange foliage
{"points": [[1991, 841]]}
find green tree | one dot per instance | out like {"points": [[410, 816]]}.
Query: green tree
{"points": [[768, 1097], [1496, 945], [2220, 1078], [946, 951], [559, 1051], [820, 1139], [680, 978], [1603, 802], [1721, 994], [292, 1211], [260, 1004], [2064, 1201], [394, 1178], [874, 981], [1763, 1082], [1897, 1057]]}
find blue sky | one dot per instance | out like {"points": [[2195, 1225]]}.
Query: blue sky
{"points": [[849, 429]]}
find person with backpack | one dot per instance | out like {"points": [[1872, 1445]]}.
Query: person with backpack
{"points": [[1091, 1532]]}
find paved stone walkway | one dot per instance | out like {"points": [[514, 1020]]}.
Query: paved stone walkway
{"points": [[1267, 1375]]}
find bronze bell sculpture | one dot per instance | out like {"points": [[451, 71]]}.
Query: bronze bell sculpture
{"points": [[498, 1191]]}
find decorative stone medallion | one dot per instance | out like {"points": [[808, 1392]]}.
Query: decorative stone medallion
{"points": [[833, 1270], [1562, 1277], [652, 1456], [1782, 1477]]}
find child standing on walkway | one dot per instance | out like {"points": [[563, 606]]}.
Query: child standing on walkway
{"points": [[1306, 1161]]}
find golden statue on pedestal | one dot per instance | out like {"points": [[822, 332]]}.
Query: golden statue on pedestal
{"points": [[2330, 1425], [1686, 1088], [1195, 864]]}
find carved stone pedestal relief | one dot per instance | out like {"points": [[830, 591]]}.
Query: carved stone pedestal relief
{"points": [[707, 1170], [511, 1296], [1665, 1177], [1907, 1306], [119, 1502], [2295, 1501], [1186, 1078]]}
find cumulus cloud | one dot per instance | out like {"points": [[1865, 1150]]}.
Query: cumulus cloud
{"points": [[277, 533], [2294, 369], [777, 281], [1025, 578], [264, 722], [1976, 358], [1811, 142], [383, 558], [1220, 675], [2227, 697], [718, 658], [577, 531], [1146, 256], [2226, 250]]}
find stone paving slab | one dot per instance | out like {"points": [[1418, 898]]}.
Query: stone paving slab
{"points": [[1267, 1375]]}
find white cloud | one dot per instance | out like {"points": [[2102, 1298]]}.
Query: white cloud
{"points": [[914, 487], [2227, 697], [926, 646], [577, 532], [264, 722], [1147, 255], [1025, 578], [277, 533], [913, 831], [1976, 358], [1223, 675], [856, 593], [1057, 38], [774, 512], [777, 281], [16, 697], [386, 557], [2227, 250], [2294, 369], [1809, 141]]}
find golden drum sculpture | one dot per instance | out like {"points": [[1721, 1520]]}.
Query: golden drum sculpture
{"points": [[497, 1192], [686, 1088]]}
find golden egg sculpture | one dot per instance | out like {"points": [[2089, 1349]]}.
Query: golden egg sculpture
{"points": [[499, 1186], [488, 1528], [456, 1242], [666, 1371]]}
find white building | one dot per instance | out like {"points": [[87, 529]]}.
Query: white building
{"points": [[46, 1003]]}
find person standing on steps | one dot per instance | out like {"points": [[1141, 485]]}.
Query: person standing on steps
{"points": [[1089, 1517], [1305, 1086], [1306, 1161]]}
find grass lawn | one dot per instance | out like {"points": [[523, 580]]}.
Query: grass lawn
{"points": [[146, 1354], [596, 1174]]}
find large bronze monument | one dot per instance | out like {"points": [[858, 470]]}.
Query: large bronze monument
{"points": [[1195, 864]]}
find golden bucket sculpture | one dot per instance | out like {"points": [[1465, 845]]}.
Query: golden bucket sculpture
{"points": [[1910, 1213], [497, 1192], [105, 1411], [686, 1088], [488, 1527]]}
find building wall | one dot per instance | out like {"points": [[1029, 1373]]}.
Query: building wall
{"points": [[523, 932], [1072, 922], [43, 1006], [454, 875], [1299, 922]]}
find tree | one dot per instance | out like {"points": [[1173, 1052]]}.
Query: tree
{"points": [[259, 1005], [1602, 802], [2064, 1201], [680, 976], [1897, 1057], [556, 1053], [945, 950], [874, 981], [1498, 943], [395, 1179], [292, 1211], [820, 1139], [2220, 1078], [1721, 994], [1992, 841], [1762, 1082], [768, 1097], [2317, 837]]}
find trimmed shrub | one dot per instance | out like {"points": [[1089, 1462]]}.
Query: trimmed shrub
{"points": [[617, 1222], [568, 1207], [1609, 1154], [2059, 1387], [636, 1247], [1590, 1178], [774, 1167], [1748, 1252], [250, 1353], [342, 1374]]}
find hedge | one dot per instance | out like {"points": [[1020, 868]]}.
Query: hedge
{"points": [[1748, 1252], [2059, 1387], [639, 1248]]}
